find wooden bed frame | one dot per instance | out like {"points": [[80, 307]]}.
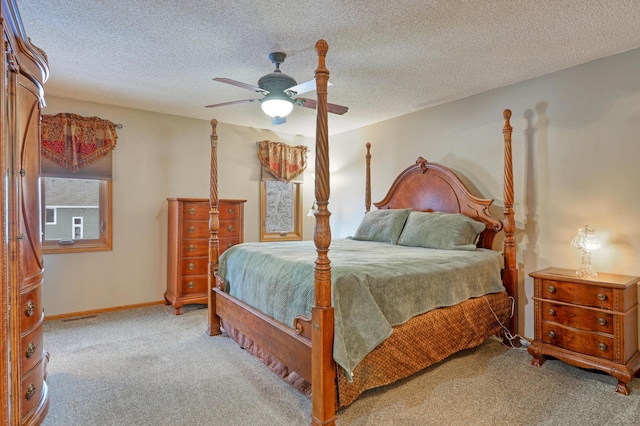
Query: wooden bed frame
{"points": [[307, 349]]}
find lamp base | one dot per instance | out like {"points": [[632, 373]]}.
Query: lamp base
{"points": [[585, 269]]}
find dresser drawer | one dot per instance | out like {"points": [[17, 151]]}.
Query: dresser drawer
{"points": [[195, 229], [228, 212], [584, 342], [195, 211], [31, 348], [195, 266], [229, 228], [228, 242], [195, 248], [32, 387], [193, 285], [30, 308], [574, 316], [580, 294]]}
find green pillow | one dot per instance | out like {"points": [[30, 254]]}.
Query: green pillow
{"points": [[383, 225], [439, 230]]}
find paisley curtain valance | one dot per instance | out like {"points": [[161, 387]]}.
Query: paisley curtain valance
{"points": [[73, 141], [284, 162]]}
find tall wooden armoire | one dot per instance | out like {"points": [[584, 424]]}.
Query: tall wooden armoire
{"points": [[25, 399]]}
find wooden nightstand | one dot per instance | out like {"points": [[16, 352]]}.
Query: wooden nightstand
{"points": [[587, 322]]}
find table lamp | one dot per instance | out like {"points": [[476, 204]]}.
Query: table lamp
{"points": [[586, 241]]}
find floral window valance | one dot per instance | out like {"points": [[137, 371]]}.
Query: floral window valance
{"points": [[74, 141], [284, 162]]}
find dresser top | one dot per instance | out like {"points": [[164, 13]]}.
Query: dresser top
{"points": [[569, 275]]}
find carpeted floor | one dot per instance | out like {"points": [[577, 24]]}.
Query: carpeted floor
{"points": [[147, 366]]}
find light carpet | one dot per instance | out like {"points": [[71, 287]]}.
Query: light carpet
{"points": [[146, 366]]}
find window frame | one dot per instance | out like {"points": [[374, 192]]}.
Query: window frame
{"points": [[104, 243], [296, 211]]}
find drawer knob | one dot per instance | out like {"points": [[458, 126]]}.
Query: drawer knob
{"points": [[552, 334], [230, 228], [191, 284], [191, 266], [192, 247], [602, 321], [230, 211], [30, 309], [192, 229], [31, 390], [551, 311], [602, 296], [31, 349], [602, 346], [192, 210], [551, 289]]}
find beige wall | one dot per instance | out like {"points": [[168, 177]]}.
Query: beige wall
{"points": [[575, 161]]}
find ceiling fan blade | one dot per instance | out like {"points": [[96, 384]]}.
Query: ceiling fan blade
{"points": [[307, 86], [241, 84], [332, 108], [231, 103]]}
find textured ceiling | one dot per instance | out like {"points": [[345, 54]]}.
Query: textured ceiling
{"points": [[386, 58]]}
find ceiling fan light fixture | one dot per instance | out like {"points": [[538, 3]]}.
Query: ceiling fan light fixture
{"points": [[275, 106]]}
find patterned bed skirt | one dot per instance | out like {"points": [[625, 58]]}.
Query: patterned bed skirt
{"points": [[422, 341]]}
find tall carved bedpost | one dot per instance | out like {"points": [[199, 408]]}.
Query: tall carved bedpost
{"points": [[323, 372], [213, 327], [367, 191], [510, 273]]}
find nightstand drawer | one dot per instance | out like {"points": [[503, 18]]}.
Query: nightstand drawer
{"points": [[573, 316], [585, 342], [580, 294]]}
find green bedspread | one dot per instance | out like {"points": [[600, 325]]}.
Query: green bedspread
{"points": [[374, 285]]}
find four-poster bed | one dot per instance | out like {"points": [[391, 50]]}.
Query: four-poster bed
{"points": [[303, 352]]}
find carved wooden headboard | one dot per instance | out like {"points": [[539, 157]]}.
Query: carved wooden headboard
{"points": [[432, 187]]}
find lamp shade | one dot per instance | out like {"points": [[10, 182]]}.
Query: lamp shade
{"points": [[276, 106], [586, 239]]}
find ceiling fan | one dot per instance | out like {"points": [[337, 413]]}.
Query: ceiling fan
{"points": [[279, 92]]}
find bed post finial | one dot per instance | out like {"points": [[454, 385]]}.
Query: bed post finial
{"points": [[213, 327], [510, 273], [323, 374], [367, 192]]}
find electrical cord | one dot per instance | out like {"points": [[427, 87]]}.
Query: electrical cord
{"points": [[510, 337]]}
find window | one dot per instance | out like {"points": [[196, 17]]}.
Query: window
{"points": [[280, 211], [77, 228], [50, 215], [77, 207], [76, 159]]}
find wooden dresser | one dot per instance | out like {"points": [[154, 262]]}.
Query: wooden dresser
{"points": [[188, 247], [587, 322], [23, 363]]}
